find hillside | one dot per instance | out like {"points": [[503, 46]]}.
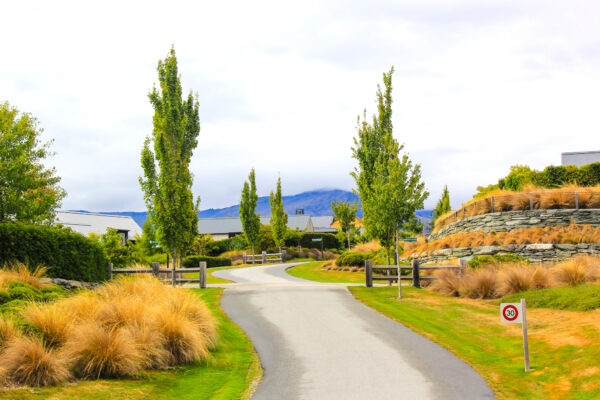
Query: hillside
{"points": [[314, 202]]}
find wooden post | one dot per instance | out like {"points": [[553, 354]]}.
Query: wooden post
{"points": [[368, 273], [415, 273], [492, 203], [264, 257], [525, 341], [202, 275], [110, 269], [398, 265], [173, 275], [577, 200], [463, 266], [244, 258], [155, 268], [283, 255], [530, 201]]}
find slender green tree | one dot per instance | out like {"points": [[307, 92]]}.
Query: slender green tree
{"points": [[345, 213], [389, 185], [29, 192], [167, 182], [442, 207], [250, 219], [279, 217]]}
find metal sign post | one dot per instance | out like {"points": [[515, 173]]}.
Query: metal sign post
{"points": [[320, 240], [516, 313]]}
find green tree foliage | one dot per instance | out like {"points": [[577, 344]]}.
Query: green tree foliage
{"points": [[203, 245], [111, 241], [167, 182], [345, 213], [389, 185], [29, 192], [148, 241], [443, 205], [250, 219], [279, 217]]}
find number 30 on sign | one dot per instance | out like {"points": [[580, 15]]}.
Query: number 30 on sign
{"points": [[511, 313]]}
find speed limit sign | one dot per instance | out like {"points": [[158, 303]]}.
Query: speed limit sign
{"points": [[511, 313]]}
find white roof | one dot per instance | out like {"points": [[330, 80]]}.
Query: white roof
{"points": [[85, 223]]}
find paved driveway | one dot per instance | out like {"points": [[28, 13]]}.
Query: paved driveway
{"points": [[315, 341]]}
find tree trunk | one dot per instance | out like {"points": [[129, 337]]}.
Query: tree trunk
{"points": [[173, 278], [252, 254], [348, 235]]}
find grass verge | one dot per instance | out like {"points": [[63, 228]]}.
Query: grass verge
{"points": [[564, 349], [313, 272], [231, 372], [577, 298]]}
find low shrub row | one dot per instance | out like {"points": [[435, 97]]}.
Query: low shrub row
{"points": [[211, 262], [478, 261], [305, 239], [66, 254]]}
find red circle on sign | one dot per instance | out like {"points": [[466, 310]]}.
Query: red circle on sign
{"points": [[510, 307]]}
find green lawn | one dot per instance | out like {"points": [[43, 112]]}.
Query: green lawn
{"points": [[312, 271], [578, 298], [564, 345], [233, 369]]}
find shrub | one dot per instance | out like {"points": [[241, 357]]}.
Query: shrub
{"points": [[211, 262], [352, 259], [27, 361], [4, 297], [66, 254], [234, 243], [305, 239], [479, 261], [24, 293]]}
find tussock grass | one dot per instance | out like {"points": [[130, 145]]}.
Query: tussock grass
{"points": [[447, 283], [18, 271], [27, 361], [481, 283], [52, 320], [571, 234], [8, 331], [564, 197], [368, 247], [576, 271]]}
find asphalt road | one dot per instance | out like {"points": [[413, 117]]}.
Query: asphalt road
{"points": [[315, 341]]}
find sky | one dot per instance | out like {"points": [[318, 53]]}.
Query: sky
{"points": [[478, 86]]}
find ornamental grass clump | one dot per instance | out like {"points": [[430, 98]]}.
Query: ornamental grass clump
{"points": [[482, 283], [515, 278], [52, 320], [20, 272], [447, 282], [576, 271]]}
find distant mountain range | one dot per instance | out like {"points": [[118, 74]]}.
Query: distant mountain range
{"points": [[314, 203]]}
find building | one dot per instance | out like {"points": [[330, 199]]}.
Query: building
{"points": [[323, 224], [579, 158], [84, 223], [223, 228]]}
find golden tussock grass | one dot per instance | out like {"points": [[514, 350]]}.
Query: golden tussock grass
{"points": [[8, 331], [515, 278], [52, 320], [27, 361], [564, 197], [483, 283], [576, 271], [367, 247], [447, 283], [18, 271], [571, 234]]}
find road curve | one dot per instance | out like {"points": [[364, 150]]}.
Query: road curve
{"points": [[315, 341]]}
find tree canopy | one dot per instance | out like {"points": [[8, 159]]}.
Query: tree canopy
{"points": [[250, 219], [345, 213], [443, 205], [29, 192], [167, 182], [279, 217]]}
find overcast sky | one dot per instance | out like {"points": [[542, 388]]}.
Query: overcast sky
{"points": [[479, 86]]}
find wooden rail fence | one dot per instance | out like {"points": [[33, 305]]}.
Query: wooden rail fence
{"points": [[264, 257], [174, 274], [415, 275]]}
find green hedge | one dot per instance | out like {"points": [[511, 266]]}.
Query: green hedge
{"points": [[66, 254], [352, 259], [211, 262], [478, 261], [305, 239], [221, 246]]}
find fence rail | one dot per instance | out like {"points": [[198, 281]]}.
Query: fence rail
{"points": [[415, 275], [264, 257], [175, 273]]}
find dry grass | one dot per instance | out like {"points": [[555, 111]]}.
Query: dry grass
{"points": [[516, 278], [447, 283], [588, 197], [481, 283], [367, 247], [27, 361], [52, 320], [576, 271], [8, 331], [541, 278], [571, 234], [17, 271]]}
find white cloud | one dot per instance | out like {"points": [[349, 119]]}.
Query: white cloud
{"points": [[479, 86]]}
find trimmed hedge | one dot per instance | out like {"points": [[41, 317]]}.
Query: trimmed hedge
{"points": [[66, 254], [211, 262], [221, 246], [330, 241], [478, 261]]}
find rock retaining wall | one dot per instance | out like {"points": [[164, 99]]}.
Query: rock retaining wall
{"points": [[540, 252], [512, 220]]}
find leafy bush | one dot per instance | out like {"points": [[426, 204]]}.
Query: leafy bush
{"points": [[67, 255], [211, 262], [234, 243], [305, 239], [478, 261], [352, 259]]}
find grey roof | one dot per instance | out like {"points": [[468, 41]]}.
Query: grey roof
{"points": [[323, 223], [226, 225], [85, 223]]}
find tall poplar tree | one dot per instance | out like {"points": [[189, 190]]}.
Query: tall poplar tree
{"points": [[442, 207], [389, 185], [167, 182], [345, 213], [250, 219], [279, 217]]}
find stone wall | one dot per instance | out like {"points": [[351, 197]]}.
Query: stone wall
{"points": [[512, 220], [540, 252]]}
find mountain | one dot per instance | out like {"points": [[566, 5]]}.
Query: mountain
{"points": [[314, 203]]}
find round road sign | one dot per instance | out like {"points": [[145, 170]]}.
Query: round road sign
{"points": [[510, 312]]}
